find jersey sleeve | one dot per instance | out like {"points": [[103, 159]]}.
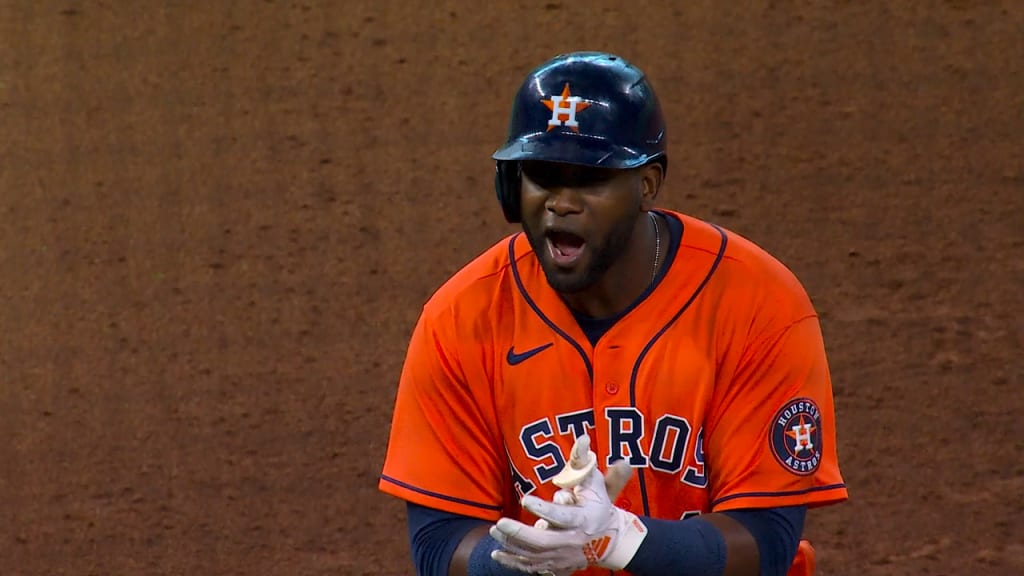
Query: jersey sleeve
{"points": [[773, 441], [443, 450]]}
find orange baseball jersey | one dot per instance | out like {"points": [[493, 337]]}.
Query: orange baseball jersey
{"points": [[715, 388]]}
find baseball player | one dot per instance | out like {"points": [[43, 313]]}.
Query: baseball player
{"points": [[618, 388]]}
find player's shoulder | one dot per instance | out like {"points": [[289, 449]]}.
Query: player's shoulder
{"points": [[742, 263], [473, 287]]}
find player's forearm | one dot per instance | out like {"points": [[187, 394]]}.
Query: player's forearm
{"points": [[741, 551], [711, 545], [460, 560], [472, 557]]}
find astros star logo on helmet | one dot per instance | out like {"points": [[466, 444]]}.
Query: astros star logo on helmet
{"points": [[564, 109]]}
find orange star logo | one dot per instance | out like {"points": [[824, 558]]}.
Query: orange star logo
{"points": [[564, 109]]}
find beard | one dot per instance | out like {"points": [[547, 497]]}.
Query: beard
{"points": [[601, 255]]}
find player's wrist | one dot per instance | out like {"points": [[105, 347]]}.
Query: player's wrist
{"points": [[482, 564], [631, 535], [692, 546]]}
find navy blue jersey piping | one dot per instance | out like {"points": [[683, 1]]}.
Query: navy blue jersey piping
{"points": [[777, 494], [647, 348], [439, 496], [537, 311]]}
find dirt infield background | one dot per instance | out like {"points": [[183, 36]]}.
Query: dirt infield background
{"points": [[218, 221]]}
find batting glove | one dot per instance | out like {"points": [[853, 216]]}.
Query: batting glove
{"points": [[586, 529]]}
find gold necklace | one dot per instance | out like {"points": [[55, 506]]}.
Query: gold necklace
{"points": [[657, 246]]}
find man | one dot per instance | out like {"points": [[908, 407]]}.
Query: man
{"points": [[687, 360]]}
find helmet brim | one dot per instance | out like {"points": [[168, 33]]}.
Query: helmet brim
{"points": [[570, 149]]}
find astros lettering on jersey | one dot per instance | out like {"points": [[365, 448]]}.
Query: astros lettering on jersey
{"points": [[715, 388]]}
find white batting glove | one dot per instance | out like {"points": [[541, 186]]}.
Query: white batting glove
{"points": [[586, 530]]}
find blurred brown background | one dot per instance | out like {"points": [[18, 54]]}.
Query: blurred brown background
{"points": [[219, 220]]}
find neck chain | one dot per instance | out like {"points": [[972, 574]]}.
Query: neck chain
{"points": [[657, 246]]}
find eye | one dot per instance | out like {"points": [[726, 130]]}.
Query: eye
{"points": [[554, 175]]}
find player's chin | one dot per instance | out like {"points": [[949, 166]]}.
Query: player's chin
{"points": [[568, 280]]}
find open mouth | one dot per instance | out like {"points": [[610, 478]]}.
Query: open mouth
{"points": [[565, 247]]}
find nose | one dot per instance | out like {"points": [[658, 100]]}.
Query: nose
{"points": [[563, 201]]}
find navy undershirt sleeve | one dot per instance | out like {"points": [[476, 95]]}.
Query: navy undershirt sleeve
{"points": [[777, 532], [696, 547], [434, 535], [693, 547]]}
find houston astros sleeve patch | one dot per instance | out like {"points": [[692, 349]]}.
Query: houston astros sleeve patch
{"points": [[795, 436]]}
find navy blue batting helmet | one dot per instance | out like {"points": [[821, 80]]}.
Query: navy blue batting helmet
{"points": [[588, 108]]}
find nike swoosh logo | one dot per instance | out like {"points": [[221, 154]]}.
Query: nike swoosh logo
{"points": [[514, 358]]}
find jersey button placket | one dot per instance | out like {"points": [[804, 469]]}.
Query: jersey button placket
{"points": [[612, 351]]}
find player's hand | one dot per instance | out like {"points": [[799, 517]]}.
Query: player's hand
{"points": [[590, 530], [616, 477]]}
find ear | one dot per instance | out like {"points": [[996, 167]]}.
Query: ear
{"points": [[651, 177]]}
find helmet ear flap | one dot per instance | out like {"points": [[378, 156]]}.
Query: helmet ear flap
{"points": [[507, 181]]}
